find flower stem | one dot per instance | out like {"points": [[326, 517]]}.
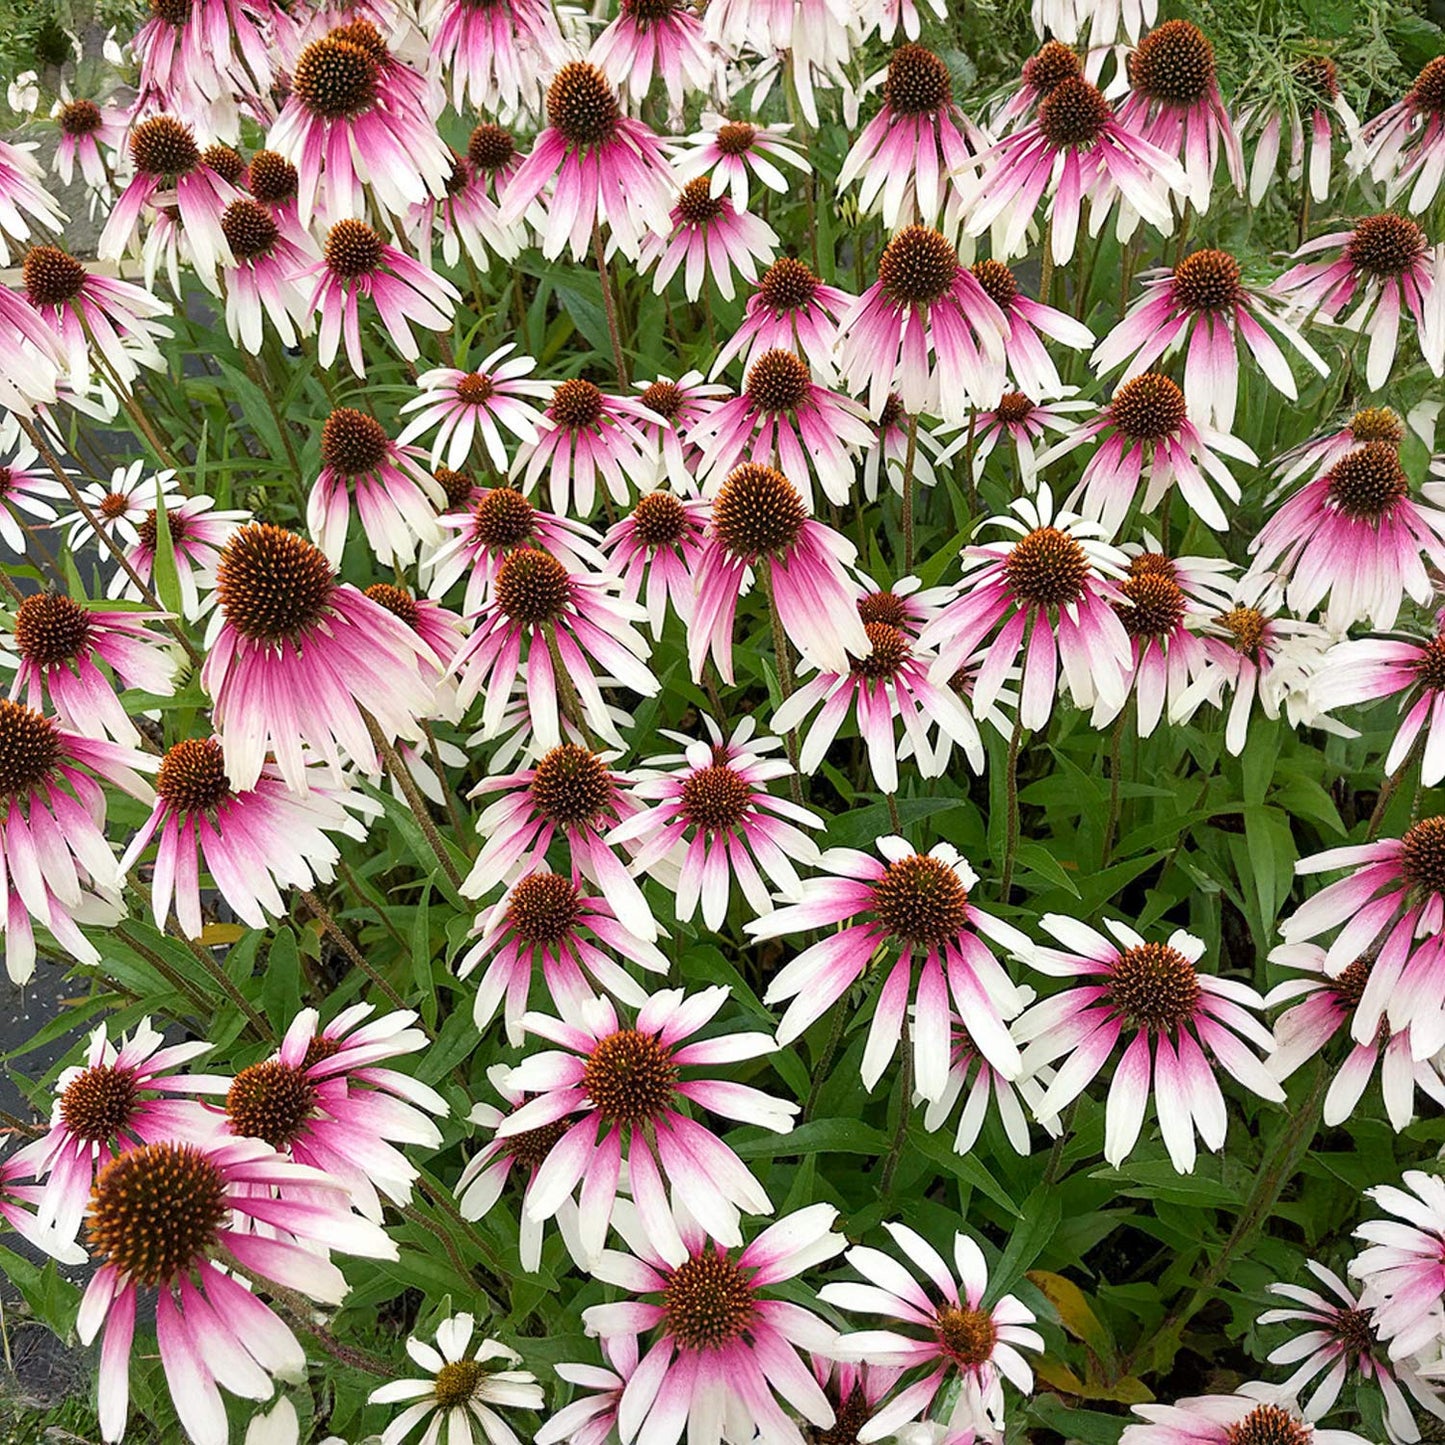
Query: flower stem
{"points": [[909, 462], [1391, 786], [830, 1051], [414, 800], [352, 952], [785, 670], [1046, 264], [1011, 785], [609, 304], [905, 1108], [1116, 739]]}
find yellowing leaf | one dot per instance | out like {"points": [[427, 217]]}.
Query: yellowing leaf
{"points": [[215, 934], [1075, 1313]]}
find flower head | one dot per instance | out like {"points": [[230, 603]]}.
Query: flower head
{"points": [[951, 1338], [621, 1086], [719, 1346], [709, 237], [1173, 1011], [465, 1384], [300, 660], [917, 910]]}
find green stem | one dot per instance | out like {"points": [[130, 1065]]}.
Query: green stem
{"points": [[905, 1109], [830, 1051], [414, 800], [352, 952], [909, 462], [1391, 786], [609, 305], [1116, 739], [1011, 817], [785, 670]]}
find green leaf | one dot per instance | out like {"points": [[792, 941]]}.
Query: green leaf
{"points": [[1041, 1215], [165, 577], [54, 1300], [863, 825], [1037, 859], [281, 985], [818, 1136]]}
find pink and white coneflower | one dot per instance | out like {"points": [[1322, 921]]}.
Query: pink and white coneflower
{"points": [[1173, 1010], [1256, 1415], [546, 920], [588, 434], [1363, 671], [569, 794], [658, 545], [1394, 894], [122, 1096], [19, 1196], [784, 418], [300, 660], [1054, 589], [715, 822], [915, 909], [58, 867], [709, 237], [356, 125], [1357, 537], [1321, 1005], [791, 310], [497, 55], [198, 531], [670, 410], [1402, 1272], [974, 1080], [890, 686], [909, 153], [252, 842], [621, 1088], [267, 283], [57, 646], [895, 433], [924, 303], [1146, 432], [1405, 143], [1338, 1341], [1055, 61], [1204, 308], [1159, 617], [540, 618], [759, 523], [356, 262], [467, 218], [202, 59], [22, 193], [1384, 267], [1016, 418], [465, 406], [169, 171], [119, 504], [662, 38], [1315, 97], [728, 152], [718, 1348], [1319, 453], [83, 127], [590, 1419], [949, 1333], [1257, 654], [491, 1169], [85, 309], [1029, 362], [463, 1386], [1076, 150], [397, 498], [159, 1217], [603, 167], [497, 523], [323, 1099], [1175, 104]]}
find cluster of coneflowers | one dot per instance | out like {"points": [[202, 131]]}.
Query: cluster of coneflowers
{"points": [[542, 547]]}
